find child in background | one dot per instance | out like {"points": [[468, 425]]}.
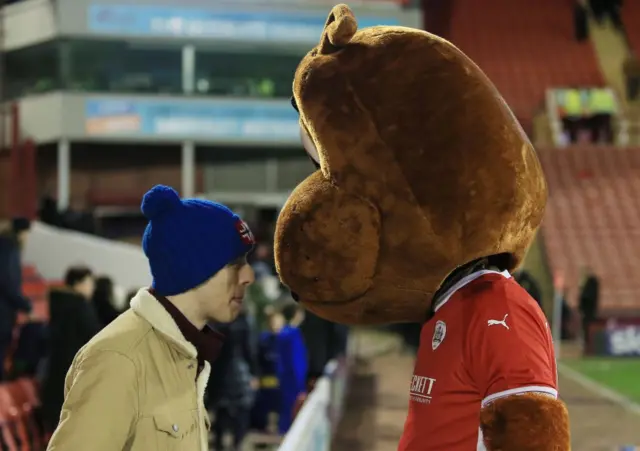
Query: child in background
{"points": [[293, 364], [267, 404]]}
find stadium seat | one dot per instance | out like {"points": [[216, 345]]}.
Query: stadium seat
{"points": [[6, 436], [523, 49], [25, 395], [14, 420], [593, 218], [29, 272]]}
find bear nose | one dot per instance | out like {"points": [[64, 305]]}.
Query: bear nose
{"points": [[295, 296]]}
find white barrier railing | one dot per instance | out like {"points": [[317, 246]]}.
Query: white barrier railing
{"points": [[53, 250], [311, 431], [316, 422]]}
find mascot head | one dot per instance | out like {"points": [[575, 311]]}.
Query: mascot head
{"points": [[422, 169]]}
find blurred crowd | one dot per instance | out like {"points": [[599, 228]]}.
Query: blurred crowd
{"points": [[271, 356]]}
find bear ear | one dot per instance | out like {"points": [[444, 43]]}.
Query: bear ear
{"points": [[340, 27]]}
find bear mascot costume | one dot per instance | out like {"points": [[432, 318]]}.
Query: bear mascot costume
{"points": [[427, 194]]}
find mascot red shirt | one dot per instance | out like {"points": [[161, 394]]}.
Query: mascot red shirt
{"points": [[486, 340], [427, 194]]}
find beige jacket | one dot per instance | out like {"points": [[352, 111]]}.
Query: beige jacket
{"points": [[133, 387]]}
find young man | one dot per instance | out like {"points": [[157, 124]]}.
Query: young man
{"points": [[12, 300], [73, 322], [139, 384]]}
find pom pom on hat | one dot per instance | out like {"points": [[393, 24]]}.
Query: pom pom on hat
{"points": [[159, 200]]}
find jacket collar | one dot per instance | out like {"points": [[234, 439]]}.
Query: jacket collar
{"points": [[145, 305]]}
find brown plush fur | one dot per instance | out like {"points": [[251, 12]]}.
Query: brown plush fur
{"points": [[530, 422], [423, 168]]}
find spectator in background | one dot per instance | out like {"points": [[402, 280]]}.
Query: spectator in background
{"points": [[294, 364], [31, 349], [613, 9], [589, 301], [262, 261], [234, 383], [49, 213], [631, 70], [267, 405], [103, 301], [12, 300], [324, 341], [73, 322], [581, 20], [568, 329], [607, 8], [266, 290], [573, 118], [79, 218], [530, 284], [602, 106]]}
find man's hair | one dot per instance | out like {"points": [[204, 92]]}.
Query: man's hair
{"points": [[76, 274], [289, 310]]}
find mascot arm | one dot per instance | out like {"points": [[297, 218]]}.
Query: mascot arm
{"points": [[511, 360], [528, 422]]}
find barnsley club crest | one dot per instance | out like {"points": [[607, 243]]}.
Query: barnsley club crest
{"points": [[438, 334]]}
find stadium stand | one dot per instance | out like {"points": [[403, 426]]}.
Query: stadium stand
{"points": [[631, 21], [20, 425], [524, 49], [593, 218], [37, 290]]}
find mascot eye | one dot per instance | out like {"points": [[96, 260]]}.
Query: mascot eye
{"points": [[309, 147]]}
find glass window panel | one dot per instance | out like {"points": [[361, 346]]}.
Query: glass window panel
{"points": [[32, 70], [250, 74], [112, 66]]}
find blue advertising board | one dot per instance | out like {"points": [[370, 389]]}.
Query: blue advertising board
{"points": [[615, 337], [624, 341], [215, 120], [160, 21]]}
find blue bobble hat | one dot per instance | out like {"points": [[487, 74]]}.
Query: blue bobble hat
{"points": [[187, 241]]}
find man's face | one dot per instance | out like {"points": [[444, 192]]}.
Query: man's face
{"points": [[222, 296]]}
